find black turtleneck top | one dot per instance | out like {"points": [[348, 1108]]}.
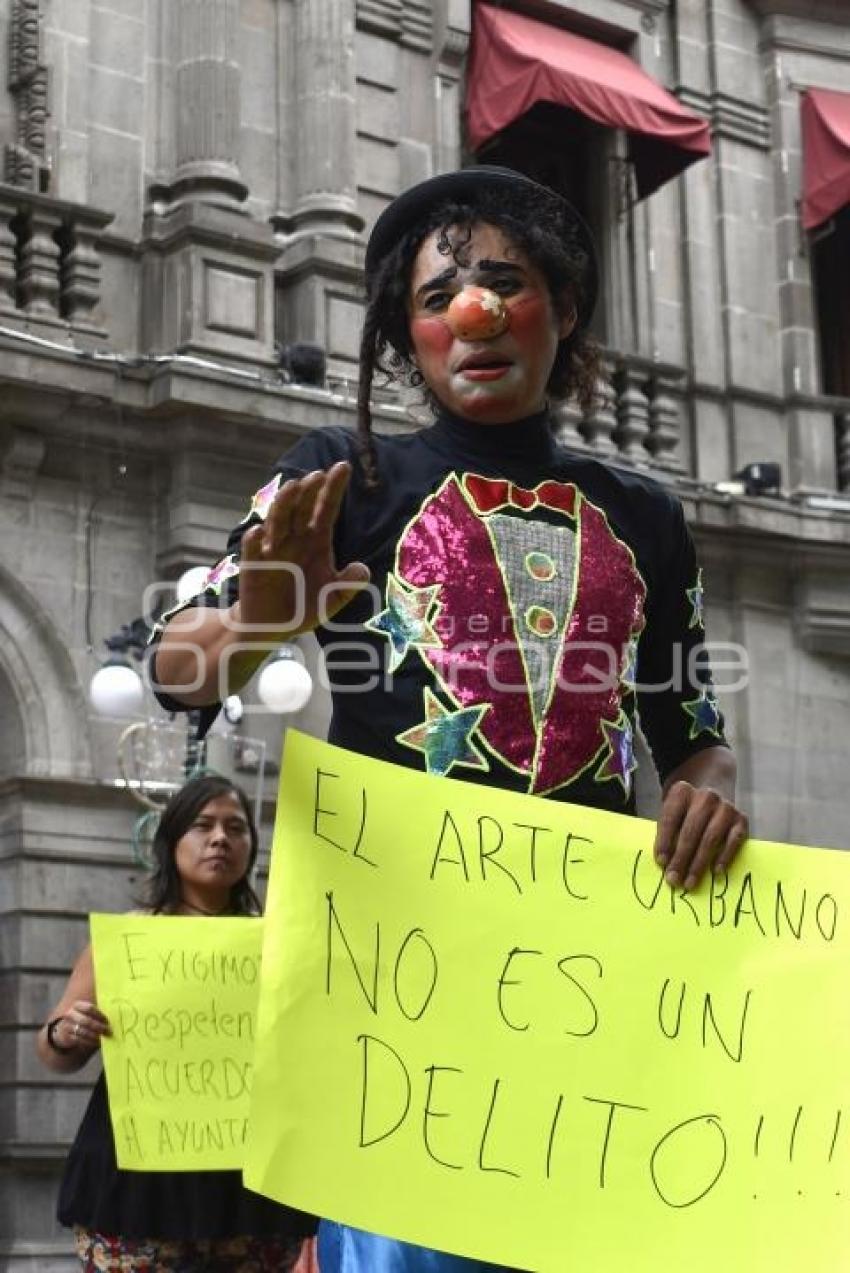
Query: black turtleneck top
{"points": [[529, 607]]}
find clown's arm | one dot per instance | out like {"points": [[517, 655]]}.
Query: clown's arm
{"points": [[700, 828], [288, 581]]}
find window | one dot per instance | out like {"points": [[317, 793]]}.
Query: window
{"points": [[562, 149], [830, 249]]}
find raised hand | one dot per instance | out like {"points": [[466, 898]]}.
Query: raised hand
{"points": [[288, 577]]}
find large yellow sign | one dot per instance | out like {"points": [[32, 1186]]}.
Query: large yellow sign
{"points": [[181, 998], [487, 1025]]}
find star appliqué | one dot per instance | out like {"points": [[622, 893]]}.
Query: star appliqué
{"points": [[220, 573], [630, 654], [262, 499], [620, 761], [704, 714], [445, 736], [695, 596], [405, 620]]}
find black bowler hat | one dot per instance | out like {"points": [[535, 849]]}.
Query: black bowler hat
{"points": [[465, 186]]}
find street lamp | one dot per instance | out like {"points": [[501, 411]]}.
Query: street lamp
{"points": [[116, 689], [285, 685]]}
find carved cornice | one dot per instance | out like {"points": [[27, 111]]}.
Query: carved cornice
{"points": [[455, 46], [410, 22], [381, 17], [811, 10], [451, 38], [25, 158], [823, 39], [417, 25], [730, 116]]}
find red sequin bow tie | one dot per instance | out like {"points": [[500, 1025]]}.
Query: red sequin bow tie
{"points": [[490, 495]]}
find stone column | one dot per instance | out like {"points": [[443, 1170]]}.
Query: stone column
{"points": [[325, 195], [207, 87]]}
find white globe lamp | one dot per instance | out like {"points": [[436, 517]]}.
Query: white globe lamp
{"points": [[285, 685], [116, 690]]}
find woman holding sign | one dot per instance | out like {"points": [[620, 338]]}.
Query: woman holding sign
{"points": [[204, 849]]}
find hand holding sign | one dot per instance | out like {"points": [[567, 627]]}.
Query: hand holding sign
{"points": [[181, 996], [512, 1032], [83, 1025]]}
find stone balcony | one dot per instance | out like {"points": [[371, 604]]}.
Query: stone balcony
{"points": [[50, 267], [641, 414], [636, 416]]}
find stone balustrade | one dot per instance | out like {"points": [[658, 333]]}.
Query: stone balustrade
{"points": [[635, 417], [842, 446], [50, 270]]}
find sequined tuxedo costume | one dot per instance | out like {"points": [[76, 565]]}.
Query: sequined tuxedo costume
{"points": [[530, 606]]}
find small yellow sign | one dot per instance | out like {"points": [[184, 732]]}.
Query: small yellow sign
{"points": [[487, 1025], [181, 997]]}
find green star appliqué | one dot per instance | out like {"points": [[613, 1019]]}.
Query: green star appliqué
{"points": [[620, 761], [695, 596], [630, 655], [704, 714], [405, 620], [445, 736]]}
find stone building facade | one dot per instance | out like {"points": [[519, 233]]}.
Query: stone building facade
{"points": [[186, 185]]}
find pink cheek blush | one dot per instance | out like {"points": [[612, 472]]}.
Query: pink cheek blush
{"points": [[531, 318], [430, 336]]}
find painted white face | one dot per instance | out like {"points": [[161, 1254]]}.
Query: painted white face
{"points": [[486, 378]]}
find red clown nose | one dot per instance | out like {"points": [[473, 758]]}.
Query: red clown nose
{"points": [[476, 313]]}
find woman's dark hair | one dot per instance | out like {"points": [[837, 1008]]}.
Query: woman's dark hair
{"points": [[536, 221], [163, 888]]}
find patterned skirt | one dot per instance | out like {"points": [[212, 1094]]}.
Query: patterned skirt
{"points": [[98, 1253]]}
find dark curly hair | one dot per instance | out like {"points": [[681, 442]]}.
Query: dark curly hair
{"points": [[536, 221], [163, 888]]}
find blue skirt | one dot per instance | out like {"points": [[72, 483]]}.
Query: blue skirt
{"points": [[346, 1250]]}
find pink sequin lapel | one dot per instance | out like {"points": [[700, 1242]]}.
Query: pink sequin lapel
{"points": [[449, 544], [480, 661]]}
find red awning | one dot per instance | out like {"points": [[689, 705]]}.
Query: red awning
{"points": [[825, 118], [516, 62]]}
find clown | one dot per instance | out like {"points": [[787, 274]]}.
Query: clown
{"points": [[528, 608]]}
